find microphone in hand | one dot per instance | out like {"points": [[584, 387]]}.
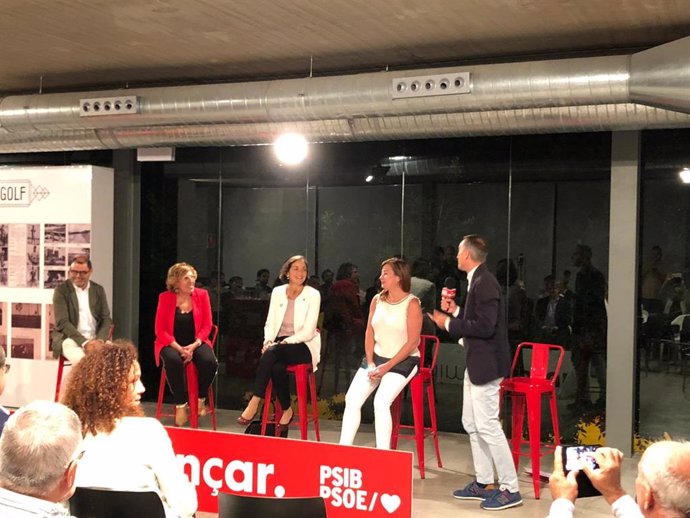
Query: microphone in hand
{"points": [[448, 293]]}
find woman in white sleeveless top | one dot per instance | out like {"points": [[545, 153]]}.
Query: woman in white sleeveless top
{"points": [[391, 353]]}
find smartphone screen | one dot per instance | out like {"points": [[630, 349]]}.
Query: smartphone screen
{"points": [[577, 456], [574, 458]]}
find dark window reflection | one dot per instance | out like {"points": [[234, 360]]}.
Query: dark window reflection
{"points": [[535, 198], [663, 341]]}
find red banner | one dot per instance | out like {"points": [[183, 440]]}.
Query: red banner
{"points": [[354, 481]]}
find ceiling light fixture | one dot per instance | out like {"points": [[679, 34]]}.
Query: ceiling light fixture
{"points": [[291, 148], [685, 175], [378, 173]]}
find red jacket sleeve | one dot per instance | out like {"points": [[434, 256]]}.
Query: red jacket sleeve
{"points": [[203, 319], [165, 317]]}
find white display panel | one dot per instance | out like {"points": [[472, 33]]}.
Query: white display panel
{"points": [[48, 215]]}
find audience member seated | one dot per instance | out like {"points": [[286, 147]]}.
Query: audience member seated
{"points": [[4, 369], [183, 323], [123, 450], [553, 316], [290, 337], [675, 297], [314, 281], [568, 294], [39, 453], [219, 295], [652, 278], [236, 287], [325, 288], [425, 290], [261, 289], [391, 353], [343, 318], [661, 487], [519, 305], [370, 293]]}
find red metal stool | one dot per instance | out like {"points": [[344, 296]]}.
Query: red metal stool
{"points": [[192, 391], [304, 380], [530, 390], [64, 362], [423, 378]]}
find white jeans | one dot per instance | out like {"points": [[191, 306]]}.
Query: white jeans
{"points": [[390, 385], [480, 406], [72, 351]]}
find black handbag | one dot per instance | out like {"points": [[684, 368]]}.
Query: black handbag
{"points": [[254, 428]]}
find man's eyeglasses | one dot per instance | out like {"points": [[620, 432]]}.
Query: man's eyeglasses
{"points": [[80, 272], [6, 368], [76, 457]]}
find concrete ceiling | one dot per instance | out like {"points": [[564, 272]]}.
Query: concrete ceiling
{"points": [[62, 45]]}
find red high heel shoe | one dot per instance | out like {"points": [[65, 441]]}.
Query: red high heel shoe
{"points": [[245, 422], [284, 426]]}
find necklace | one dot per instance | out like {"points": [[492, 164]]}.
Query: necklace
{"points": [[392, 302], [184, 304]]}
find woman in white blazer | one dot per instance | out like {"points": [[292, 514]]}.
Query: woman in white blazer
{"points": [[290, 337]]}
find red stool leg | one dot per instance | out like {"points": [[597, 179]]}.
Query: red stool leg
{"points": [[211, 408], [554, 417], [193, 394], [418, 415], [518, 422], [267, 405], [432, 415], [314, 404], [534, 428], [278, 414], [301, 382], [58, 383], [395, 416], [161, 391]]}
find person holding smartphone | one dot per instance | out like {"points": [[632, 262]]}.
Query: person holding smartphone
{"points": [[290, 338], [663, 476]]}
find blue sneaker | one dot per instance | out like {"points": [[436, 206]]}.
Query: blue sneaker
{"points": [[474, 491], [501, 499]]}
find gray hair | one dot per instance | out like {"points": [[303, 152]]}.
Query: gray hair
{"points": [[3, 358], [665, 465], [476, 246], [36, 447]]}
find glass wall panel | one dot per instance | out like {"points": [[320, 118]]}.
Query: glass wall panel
{"points": [[559, 243], [664, 277], [234, 211]]}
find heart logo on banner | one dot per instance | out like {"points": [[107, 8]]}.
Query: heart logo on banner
{"points": [[390, 502]]}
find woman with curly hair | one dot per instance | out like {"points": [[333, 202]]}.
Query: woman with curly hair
{"points": [[123, 450]]}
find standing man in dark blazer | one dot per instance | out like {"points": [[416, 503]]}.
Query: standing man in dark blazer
{"points": [[82, 316], [480, 327]]}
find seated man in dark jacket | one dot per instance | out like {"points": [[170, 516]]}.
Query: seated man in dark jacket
{"points": [[553, 317]]}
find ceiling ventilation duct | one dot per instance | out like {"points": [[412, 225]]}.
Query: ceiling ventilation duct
{"points": [[584, 94]]}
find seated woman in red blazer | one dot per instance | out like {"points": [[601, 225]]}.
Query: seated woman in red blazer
{"points": [[183, 323]]}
